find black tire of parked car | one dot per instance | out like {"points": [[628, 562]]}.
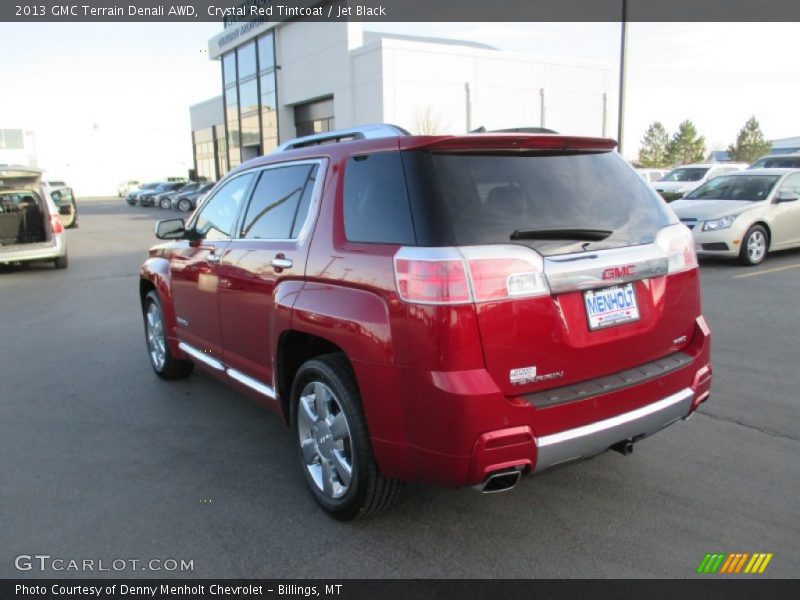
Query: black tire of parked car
{"points": [[165, 202], [62, 262], [369, 492], [173, 368], [184, 205], [744, 255]]}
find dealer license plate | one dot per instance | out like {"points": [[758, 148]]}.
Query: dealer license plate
{"points": [[611, 306]]}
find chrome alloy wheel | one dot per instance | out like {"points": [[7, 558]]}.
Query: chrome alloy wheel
{"points": [[325, 440], [156, 340], [756, 246]]}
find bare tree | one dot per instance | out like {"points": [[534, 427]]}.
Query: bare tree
{"points": [[428, 121]]}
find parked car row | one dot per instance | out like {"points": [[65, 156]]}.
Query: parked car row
{"points": [[736, 210], [183, 196]]}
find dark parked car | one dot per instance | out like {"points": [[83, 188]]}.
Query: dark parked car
{"points": [[148, 197], [133, 196], [164, 199], [188, 201], [461, 310]]}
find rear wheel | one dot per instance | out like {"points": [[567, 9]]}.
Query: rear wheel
{"points": [[62, 262], [184, 205], [754, 246], [161, 358], [332, 441]]}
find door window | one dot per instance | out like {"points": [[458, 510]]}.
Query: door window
{"points": [[280, 203], [217, 217]]}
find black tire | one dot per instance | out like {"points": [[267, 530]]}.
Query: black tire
{"points": [[752, 256], [62, 262], [171, 368], [368, 492], [184, 205]]}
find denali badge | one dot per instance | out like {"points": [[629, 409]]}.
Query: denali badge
{"points": [[523, 375], [617, 272]]}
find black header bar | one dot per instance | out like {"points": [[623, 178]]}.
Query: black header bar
{"points": [[232, 11]]}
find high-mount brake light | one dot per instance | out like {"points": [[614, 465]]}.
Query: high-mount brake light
{"points": [[468, 274], [677, 241]]}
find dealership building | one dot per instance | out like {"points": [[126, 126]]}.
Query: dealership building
{"points": [[283, 80]]}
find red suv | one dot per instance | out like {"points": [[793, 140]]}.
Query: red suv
{"points": [[461, 310]]}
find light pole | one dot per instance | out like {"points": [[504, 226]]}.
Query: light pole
{"points": [[622, 58]]}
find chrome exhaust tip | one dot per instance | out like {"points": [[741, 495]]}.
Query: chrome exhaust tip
{"points": [[501, 481]]}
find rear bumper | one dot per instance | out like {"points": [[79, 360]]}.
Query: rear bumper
{"points": [[460, 428], [592, 439], [39, 251]]}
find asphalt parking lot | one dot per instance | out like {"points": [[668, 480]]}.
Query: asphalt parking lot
{"points": [[99, 459]]}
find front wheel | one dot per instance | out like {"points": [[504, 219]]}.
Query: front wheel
{"points": [[754, 246], [161, 359], [332, 441], [184, 205]]}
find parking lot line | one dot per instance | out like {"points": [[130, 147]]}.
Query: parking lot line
{"points": [[765, 271]]}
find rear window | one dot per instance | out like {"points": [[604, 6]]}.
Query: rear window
{"points": [[690, 174], [469, 199], [376, 207]]}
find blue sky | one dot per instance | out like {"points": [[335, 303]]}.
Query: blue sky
{"points": [[115, 97]]}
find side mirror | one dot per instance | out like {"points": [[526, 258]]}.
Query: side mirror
{"points": [[171, 229], [787, 196]]}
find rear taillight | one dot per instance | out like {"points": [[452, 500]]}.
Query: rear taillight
{"points": [[55, 224], [678, 243], [468, 274]]}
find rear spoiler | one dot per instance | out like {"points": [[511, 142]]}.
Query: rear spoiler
{"points": [[509, 141]]}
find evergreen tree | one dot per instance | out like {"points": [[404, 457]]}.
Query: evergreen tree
{"points": [[750, 143], [653, 152], [686, 146]]}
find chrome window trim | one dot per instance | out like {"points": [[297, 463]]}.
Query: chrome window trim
{"points": [[313, 207]]}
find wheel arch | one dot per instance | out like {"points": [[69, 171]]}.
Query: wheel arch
{"points": [[293, 349]]}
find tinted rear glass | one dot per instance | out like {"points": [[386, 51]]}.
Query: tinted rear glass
{"points": [[376, 205], [460, 199]]}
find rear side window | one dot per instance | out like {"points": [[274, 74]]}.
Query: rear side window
{"points": [[542, 201], [376, 207], [280, 203]]}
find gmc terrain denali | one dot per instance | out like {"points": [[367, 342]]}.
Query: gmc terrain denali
{"points": [[461, 310]]}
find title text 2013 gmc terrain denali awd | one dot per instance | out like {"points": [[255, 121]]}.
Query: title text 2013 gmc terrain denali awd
{"points": [[460, 310]]}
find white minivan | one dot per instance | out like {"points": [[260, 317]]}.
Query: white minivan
{"points": [[30, 226]]}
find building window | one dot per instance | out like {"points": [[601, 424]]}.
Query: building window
{"points": [[266, 52], [247, 60], [204, 155], [314, 117], [229, 69]]}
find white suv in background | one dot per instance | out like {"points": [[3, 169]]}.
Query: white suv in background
{"points": [[682, 180]]}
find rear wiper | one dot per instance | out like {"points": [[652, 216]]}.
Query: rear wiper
{"points": [[594, 235]]}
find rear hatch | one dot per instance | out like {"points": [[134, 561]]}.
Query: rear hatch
{"points": [[577, 269], [23, 214]]}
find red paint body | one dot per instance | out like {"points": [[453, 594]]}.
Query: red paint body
{"points": [[434, 380]]}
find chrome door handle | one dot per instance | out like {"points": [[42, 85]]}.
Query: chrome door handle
{"points": [[280, 262], [212, 258]]}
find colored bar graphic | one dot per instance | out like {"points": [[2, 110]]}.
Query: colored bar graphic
{"points": [[734, 562]]}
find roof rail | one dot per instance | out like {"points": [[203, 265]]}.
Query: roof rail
{"points": [[363, 132]]}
